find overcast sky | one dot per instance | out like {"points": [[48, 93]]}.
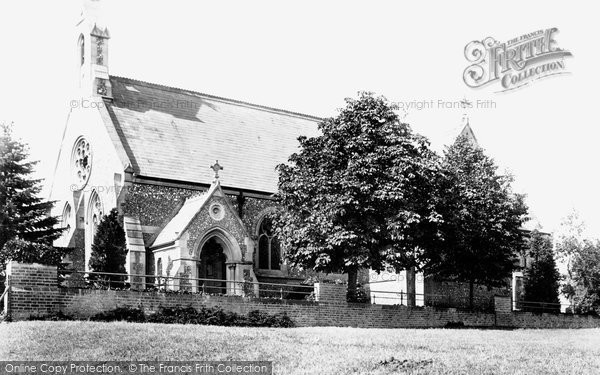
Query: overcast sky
{"points": [[308, 56]]}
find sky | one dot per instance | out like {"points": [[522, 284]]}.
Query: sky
{"points": [[308, 56]]}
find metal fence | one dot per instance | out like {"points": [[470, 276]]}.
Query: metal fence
{"points": [[542, 307], [433, 300], [72, 279]]}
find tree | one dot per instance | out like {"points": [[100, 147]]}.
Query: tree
{"points": [[482, 219], [109, 250], [542, 277], [582, 258], [584, 282], [359, 195], [26, 229]]}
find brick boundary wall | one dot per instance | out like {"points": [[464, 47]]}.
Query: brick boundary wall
{"points": [[34, 291]]}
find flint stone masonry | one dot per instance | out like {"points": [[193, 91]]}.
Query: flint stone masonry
{"points": [[34, 291]]}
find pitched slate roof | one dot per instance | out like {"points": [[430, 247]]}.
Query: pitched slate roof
{"points": [[176, 134], [174, 229]]}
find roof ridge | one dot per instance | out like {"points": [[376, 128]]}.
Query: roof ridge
{"points": [[229, 100], [197, 197]]}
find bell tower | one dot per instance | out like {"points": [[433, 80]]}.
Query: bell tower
{"points": [[92, 51]]}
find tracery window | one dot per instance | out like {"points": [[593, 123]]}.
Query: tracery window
{"points": [[269, 254], [96, 212], [81, 163]]}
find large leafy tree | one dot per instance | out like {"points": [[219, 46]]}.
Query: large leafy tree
{"points": [[582, 258], [482, 219], [583, 286], [26, 228], [360, 194], [541, 277], [109, 250]]}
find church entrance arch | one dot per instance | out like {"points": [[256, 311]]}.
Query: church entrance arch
{"points": [[212, 266], [219, 263]]}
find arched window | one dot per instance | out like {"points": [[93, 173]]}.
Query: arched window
{"points": [[269, 255], [81, 44], [65, 220], [96, 212]]}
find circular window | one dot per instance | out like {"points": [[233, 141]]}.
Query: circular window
{"points": [[216, 211], [81, 163]]}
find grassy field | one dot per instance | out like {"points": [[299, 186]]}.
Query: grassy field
{"points": [[313, 350]]}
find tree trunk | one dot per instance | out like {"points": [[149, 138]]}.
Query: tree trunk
{"points": [[352, 281], [471, 287], [411, 287]]}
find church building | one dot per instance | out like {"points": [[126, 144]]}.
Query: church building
{"points": [[192, 175]]}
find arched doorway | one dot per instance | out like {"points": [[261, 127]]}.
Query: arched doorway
{"points": [[212, 266]]}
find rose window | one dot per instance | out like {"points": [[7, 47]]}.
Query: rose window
{"points": [[82, 162]]}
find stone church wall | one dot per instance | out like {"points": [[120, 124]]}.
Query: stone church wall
{"points": [[34, 291]]}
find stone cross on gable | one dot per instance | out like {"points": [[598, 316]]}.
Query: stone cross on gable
{"points": [[216, 167]]}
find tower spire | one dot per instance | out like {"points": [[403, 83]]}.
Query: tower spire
{"points": [[92, 49], [468, 132]]}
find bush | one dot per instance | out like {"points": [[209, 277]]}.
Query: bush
{"points": [[127, 314], [54, 316], [189, 315]]}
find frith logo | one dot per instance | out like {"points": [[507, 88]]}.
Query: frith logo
{"points": [[515, 63]]}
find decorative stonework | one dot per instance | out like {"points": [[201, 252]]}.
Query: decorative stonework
{"points": [[81, 163], [169, 266], [216, 211], [99, 51], [185, 284], [101, 89], [138, 266], [203, 222]]}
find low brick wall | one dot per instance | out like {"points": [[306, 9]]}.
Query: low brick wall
{"points": [[34, 291]]}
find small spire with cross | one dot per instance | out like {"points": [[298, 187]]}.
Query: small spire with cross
{"points": [[216, 167]]}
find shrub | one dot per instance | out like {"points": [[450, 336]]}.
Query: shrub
{"points": [[54, 316], [189, 315], [128, 314]]}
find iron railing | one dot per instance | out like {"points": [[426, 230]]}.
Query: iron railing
{"points": [[433, 300], [541, 307], [107, 280]]}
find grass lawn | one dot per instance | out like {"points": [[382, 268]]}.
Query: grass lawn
{"points": [[313, 350]]}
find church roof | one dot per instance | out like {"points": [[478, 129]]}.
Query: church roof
{"points": [[468, 132], [174, 229], [176, 134]]}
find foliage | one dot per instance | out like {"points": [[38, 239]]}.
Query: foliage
{"points": [[542, 277], [359, 195], [128, 314], [24, 218], [583, 284], [482, 219], [109, 250], [582, 258], [189, 315], [55, 316], [31, 252]]}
